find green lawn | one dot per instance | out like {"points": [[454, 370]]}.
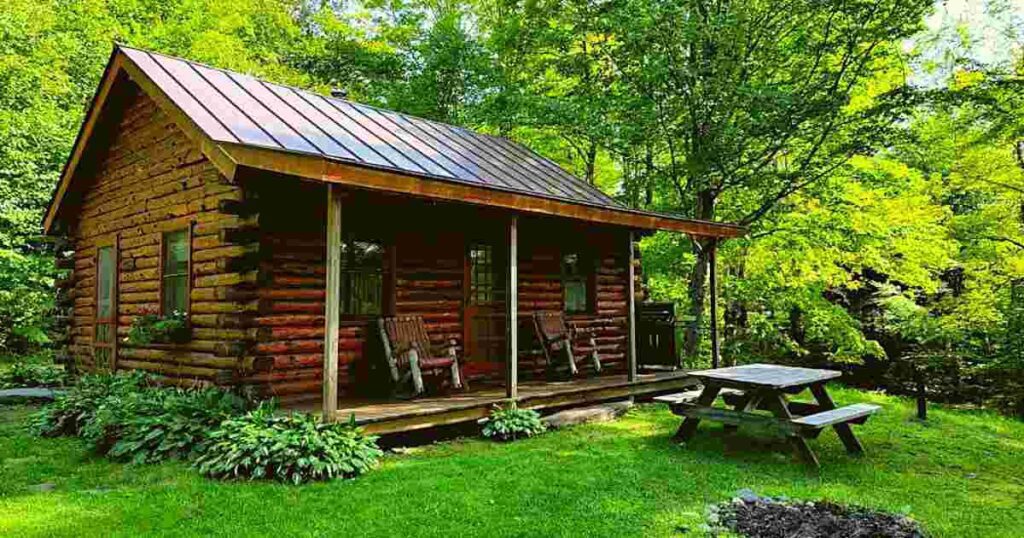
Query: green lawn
{"points": [[960, 474]]}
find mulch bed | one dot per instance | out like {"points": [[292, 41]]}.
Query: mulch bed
{"points": [[763, 517]]}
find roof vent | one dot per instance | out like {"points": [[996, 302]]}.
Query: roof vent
{"points": [[339, 93]]}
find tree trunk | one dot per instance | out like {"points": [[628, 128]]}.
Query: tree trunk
{"points": [[591, 163], [698, 278]]}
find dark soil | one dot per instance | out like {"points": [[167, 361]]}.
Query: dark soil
{"points": [[768, 518]]}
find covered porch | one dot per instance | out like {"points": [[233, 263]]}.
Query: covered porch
{"points": [[475, 275]]}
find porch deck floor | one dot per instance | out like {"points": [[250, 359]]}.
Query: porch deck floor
{"points": [[391, 416]]}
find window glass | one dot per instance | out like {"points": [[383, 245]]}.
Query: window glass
{"points": [[481, 274], [175, 272], [362, 277], [574, 284], [105, 282]]}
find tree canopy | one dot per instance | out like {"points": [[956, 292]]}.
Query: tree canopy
{"points": [[878, 161]]}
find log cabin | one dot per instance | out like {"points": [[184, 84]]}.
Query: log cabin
{"points": [[284, 224]]}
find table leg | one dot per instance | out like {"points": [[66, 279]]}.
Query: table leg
{"points": [[746, 404], [844, 430], [689, 426], [776, 402]]}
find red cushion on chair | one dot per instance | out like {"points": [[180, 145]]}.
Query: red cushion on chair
{"points": [[440, 362]]}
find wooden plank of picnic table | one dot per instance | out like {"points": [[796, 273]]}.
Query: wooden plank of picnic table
{"points": [[766, 375]]}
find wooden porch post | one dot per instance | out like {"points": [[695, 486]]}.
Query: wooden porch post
{"points": [[332, 303], [631, 315], [512, 312], [716, 355]]}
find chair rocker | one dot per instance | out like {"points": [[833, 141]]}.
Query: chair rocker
{"points": [[410, 354], [557, 336]]}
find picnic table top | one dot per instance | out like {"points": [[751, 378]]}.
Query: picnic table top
{"points": [[767, 375]]}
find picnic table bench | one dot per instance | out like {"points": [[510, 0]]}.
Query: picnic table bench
{"points": [[754, 387]]}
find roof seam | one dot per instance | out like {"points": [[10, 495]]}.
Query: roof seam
{"points": [[300, 94], [236, 105], [284, 122], [190, 94], [397, 136]]}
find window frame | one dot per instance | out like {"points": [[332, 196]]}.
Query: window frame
{"points": [[586, 264], [162, 277], [112, 243], [387, 279]]}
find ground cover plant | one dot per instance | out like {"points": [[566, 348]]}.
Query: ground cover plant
{"points": [[293, 448], [24, 373], [127, 418], [958, 474], [511, 423]]}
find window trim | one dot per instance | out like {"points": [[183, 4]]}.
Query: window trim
{"points": [[112, 242], [388, 292], [587, 266], [188, 276]]}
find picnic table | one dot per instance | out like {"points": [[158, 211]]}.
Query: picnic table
{"points": [[753, 387]]}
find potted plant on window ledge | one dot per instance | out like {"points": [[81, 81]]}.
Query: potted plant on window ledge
{"points": [[173, 328]]}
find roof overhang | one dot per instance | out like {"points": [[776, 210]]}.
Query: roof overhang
{"points": [[228, 157]]}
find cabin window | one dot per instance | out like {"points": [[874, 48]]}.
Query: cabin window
{"points": [[106, 285], [575, 283], [362, 277], [174, 276]]}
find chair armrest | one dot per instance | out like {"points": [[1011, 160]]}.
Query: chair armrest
{"points": [[445, 348]]}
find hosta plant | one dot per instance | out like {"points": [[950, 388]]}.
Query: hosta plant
{"points": [[295, 448], [511, 423], [171, 424], [73, 411]]}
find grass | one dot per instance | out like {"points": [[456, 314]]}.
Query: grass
{"points": [[959, 474]]}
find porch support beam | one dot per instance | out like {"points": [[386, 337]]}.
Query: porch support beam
{"points": [[716, 352], [332, 303], [631, 315], [512, 312]]}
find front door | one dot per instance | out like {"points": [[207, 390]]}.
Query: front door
{"points": [[484, 312]]}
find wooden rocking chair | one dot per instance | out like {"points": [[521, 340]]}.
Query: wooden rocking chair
{"points": [[410, 354], [557, 336]]}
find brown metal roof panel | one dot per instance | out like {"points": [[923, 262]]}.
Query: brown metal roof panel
{"points": [[381, 146], [255, 110], [359, 151], [424, 145], [459, 151], [194, 109], [546, 167], [309, 131], [401, 141], [228, 114], [525, 180]]}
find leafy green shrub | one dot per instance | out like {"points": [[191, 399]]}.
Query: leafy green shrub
{"points": [[27, 374], [153, 329], [289, 448], [511, 423], [173, 424], [71, 412]]}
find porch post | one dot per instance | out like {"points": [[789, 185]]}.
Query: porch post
{"points": [[332, 303], [631, 314], [716, 355], [512, 312]]}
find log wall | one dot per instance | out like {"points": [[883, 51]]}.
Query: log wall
{"points": [[146, 177]]}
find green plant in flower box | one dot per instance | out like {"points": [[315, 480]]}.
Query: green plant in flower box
{"points": [[152, 329]]}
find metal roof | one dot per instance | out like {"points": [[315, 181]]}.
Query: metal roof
{"points": [[240, 109]]}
